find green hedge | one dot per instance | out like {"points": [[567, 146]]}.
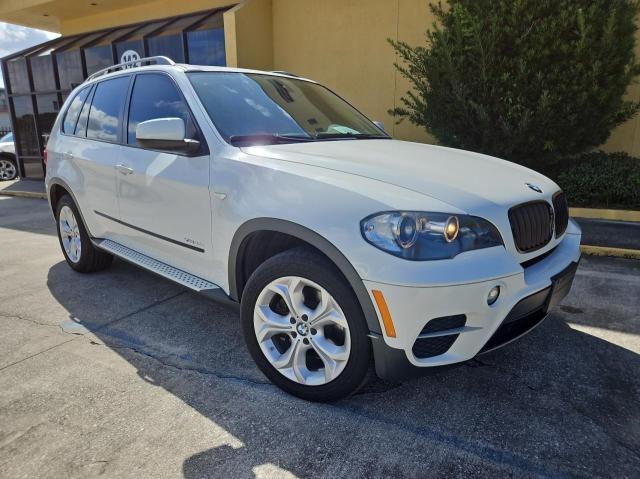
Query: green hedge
{"points": [[598, 180]]}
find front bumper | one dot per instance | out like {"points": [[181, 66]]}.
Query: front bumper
{"points": [[474, 326]]}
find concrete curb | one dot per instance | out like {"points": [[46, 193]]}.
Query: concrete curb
{"points": [[603, 214], [608, 251], [24, 194]]}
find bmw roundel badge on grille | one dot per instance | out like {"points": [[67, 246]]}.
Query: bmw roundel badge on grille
{"points": [[535, 188]]}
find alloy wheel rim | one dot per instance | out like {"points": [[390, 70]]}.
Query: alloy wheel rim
{"points": [[7, 170], [70, 234], [302, 331]]}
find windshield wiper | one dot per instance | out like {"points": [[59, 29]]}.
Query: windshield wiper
{"points": [[355, 136], [267, 139]]}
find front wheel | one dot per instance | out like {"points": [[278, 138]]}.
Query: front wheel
{"points": [[8, 170], [304, 327]]}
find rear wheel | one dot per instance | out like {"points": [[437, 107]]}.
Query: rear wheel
{"points": [[304, 327], [76, 245], [8, 169]]}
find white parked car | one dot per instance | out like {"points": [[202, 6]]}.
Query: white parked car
{"points": [[8, 164], [344, 248]]}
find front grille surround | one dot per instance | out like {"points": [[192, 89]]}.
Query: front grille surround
{"points": [[532, 225], [561, 210]]}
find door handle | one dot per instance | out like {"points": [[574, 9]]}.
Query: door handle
{"points": [[125, 170], [68, 155]]}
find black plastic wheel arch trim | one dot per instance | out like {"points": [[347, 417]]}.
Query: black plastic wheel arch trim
{"points": [[303, 233]]}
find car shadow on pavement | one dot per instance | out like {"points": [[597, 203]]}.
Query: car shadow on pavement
{"points": [[558, 402]]}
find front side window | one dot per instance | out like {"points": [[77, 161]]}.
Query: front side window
{"points": [[73, 112], [155, 96], [104, 116], [247, 106]]}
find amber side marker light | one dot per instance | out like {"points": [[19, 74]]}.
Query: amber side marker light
{"points": [[384, 312]]}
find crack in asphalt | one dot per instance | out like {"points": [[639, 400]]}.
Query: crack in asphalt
{"points": [[77, 334], [164, 361]]}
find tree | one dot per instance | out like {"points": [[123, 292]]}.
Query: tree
{"points": [[523, 79]]}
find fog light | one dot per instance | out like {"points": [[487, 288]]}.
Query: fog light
{"points": [[492, 297]]}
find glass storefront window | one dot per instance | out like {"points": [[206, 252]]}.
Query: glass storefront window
{"points": [[18, 76], [206, 47], [48, 107], [43, 75], [169, 41], [205, 42], [69, 69], [134, 42], [25, 124], [97, 58], [129, 46], [167, 45]]}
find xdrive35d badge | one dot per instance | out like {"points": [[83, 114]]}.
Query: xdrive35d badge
{"points": [[346, 250]]}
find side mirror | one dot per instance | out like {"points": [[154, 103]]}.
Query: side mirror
{"points": [[165, 134], [379, 124]]}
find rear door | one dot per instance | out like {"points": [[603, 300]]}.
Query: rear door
{"points": [[95, 151], [164, 196]]}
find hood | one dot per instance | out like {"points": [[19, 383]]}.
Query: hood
{"points": [[469, 181]]}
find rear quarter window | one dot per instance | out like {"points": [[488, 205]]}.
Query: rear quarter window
{"points": [[73, 112]]}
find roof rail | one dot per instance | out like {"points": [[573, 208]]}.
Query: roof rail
{"points": [[158, 60], [282, 72]]}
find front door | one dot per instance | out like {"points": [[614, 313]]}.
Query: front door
{"points": [[164, 196]]}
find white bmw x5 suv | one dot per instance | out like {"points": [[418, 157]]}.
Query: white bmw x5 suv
{"points": [[343, 247]]}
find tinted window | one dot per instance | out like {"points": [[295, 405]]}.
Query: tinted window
{"points": [[48, 107], [98, 58], [42, 70], [81, 126], [73, 112], [69, 69], [107, 103], [18, 76], [167, 45], [156, 96], [25, 126], [206, 47]]}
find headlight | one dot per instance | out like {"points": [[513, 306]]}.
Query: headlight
{"points": [[420, 236]]}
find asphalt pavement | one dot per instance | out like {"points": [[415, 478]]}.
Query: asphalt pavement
{"points": [[123, 374]]}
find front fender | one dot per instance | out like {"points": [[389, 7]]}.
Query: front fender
{"points": [[314, 239]]}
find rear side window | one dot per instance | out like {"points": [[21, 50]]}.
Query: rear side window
{"points": [[104, 116], [81, 126], [156, 96], [73, 112]]}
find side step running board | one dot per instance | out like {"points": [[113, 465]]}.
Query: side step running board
{"points": [[174, 274]]}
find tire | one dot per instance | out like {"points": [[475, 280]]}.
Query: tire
{"points": [[75, 234], [8, 168], [334, 358]]}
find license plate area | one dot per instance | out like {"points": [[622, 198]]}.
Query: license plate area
{"points": [[561, 285]]}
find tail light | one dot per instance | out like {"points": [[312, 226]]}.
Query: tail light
{"points": [[45, 156]]}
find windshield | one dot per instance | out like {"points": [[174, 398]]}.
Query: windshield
{"points": [[6, 138], [249, 108]]}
